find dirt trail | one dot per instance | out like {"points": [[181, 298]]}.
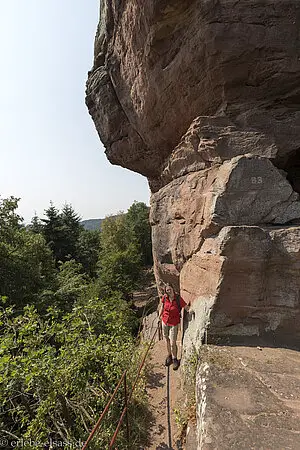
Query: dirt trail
{"points": [[163, 383]]}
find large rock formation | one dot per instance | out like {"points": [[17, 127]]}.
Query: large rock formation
{"points": [[202, 97]]}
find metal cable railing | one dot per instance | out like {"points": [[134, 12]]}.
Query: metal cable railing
{"points": [[123, 380]]}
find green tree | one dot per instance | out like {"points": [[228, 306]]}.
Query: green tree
{"points": [[53, 231], [139, 230], [114, 233], [120, 270], [72, 283], [61, 231], [120, 261], [26, 263], [71, 231], [36, 226], [87, 252], [10, 221]]}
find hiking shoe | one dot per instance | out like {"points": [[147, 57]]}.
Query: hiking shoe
{"points": [[168, 360], [176, 364]]}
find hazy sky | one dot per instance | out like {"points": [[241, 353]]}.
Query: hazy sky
{"points": [[48, 144]]}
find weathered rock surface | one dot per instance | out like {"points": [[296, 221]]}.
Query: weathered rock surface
{"points": [[245, 190], [160, 65], [252, 288], [248, 398], [212, 140]]}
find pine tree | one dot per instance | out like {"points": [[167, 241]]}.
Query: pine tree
{"points": [[71, 230], [53, 232], [36, 225]]}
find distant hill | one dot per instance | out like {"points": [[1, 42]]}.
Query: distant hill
{"points": [[92, 224]]}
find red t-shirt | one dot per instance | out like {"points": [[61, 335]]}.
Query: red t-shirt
{"points": [[170, 315]]}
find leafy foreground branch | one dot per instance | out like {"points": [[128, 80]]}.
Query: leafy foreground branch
{"points": [[57, 373]]}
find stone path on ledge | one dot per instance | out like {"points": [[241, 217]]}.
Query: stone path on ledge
{"points": [[252, 398], [157, 390]]}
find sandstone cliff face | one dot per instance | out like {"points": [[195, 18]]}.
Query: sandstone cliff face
{"points": [[202, 97]]}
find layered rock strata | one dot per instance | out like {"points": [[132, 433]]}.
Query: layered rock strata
{"points": [[202, 97]]}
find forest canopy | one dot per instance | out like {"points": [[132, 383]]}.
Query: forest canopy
{"points": [[67, 329]]}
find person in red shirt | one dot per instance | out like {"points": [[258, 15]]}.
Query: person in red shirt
{"points": [[169, 314]]}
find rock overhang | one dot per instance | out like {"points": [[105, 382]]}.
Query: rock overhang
{"points": [[160, 65], [202, 97]]}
